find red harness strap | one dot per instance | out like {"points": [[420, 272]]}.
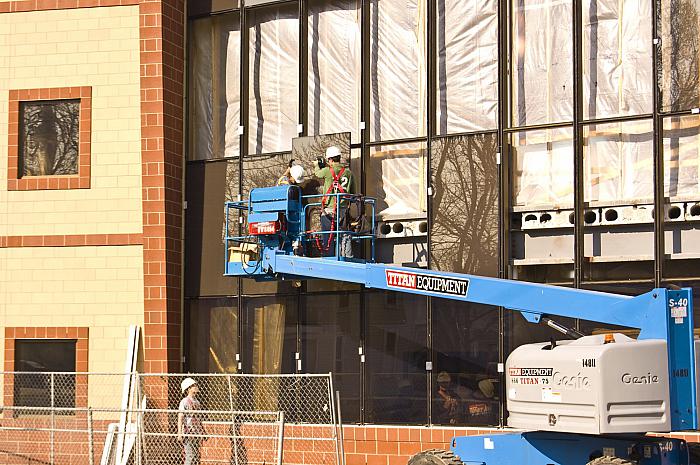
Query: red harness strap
{"points": [[335, 187]]}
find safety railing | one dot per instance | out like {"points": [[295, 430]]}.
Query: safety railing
{"points": [[299, 236], [83, 419]]}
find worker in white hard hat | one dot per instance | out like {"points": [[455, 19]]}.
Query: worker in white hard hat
{"points": [[294, 175], [190, 431], [337, 179]]}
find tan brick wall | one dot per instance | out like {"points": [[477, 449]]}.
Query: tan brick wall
{"points": [[97, 47], [100, 288]]}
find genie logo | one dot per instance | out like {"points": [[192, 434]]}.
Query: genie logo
{"points": [[649, 378], [577, 382]]}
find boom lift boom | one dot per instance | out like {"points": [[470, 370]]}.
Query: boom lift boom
{"points": [[581, 395]]}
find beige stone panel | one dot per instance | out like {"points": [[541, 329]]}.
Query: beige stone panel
{"points": [[96, 287], [97, 47]]}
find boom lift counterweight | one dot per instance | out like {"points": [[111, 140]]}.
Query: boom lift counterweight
{"points": [[588, 400]]}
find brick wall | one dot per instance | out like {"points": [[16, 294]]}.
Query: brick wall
{"points": [[94, 47]]}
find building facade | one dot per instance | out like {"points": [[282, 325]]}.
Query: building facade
{"points": [[524, 139]]}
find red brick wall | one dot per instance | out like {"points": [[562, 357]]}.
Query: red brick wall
{"points": [[162, 67]]}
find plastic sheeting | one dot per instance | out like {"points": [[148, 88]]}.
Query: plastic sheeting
{"points": [[273, 78], [397, 69], [618, 163], [396, 178], [617, 74], [680, 51], [542, 81], [334, 65], [215, 85], [681, 142], [544, 168], [467, 65]]}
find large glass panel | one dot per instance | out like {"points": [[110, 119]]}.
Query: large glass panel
{"points": [[618, 187], [542, 173], [467, 65], [396, 353], [618, 162], [679, 79], [330, 338], [274, 74], [214, 87], [269, 334], [465, 346], [213, 335], [681, 146], [464, 227], [543, 168], [207, 187], [617, 72], [396, 177], [334, 67], [397, 69], [542, 83]]}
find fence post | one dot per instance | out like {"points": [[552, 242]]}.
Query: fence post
{"points": [[91, 444], [331, 405], [53, 420], [340, 429], [234, 428], [280, 438]]}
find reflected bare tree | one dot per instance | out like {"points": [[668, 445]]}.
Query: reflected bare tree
{"points": [[464, 236], [680, 48], [49, 144]]}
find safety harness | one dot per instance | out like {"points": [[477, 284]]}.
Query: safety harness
{"points": [[335, 187]]}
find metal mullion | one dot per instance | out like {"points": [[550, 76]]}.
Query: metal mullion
{"points": [[365, 94], [617, 119], [670, 114], [242, 151], [269, 4], [303, 66], [535, 127], [431, 50], [577, 27], [405, 140], [504, 54], [659, 201], [466, 134]]}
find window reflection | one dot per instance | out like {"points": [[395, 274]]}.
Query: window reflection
{"points": [[464, 234], [330, 338], [396, 355], [49, 137], [680, 48], [465, 338], [213, 335]]}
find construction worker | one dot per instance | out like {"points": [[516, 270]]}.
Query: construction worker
{"points": [[189, 425], [293, 175], [337, 179]]}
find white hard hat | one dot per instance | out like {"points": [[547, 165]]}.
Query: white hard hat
{"points": [[332, 152], [297, 173], [187, 383]]}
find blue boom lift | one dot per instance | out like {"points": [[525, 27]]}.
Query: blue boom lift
{"points": [[583, 402]]}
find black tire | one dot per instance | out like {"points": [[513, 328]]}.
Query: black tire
{"points": [[435, 457], [609, 460]]}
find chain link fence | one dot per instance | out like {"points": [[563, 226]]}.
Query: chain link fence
{"points": [[117, 419]]}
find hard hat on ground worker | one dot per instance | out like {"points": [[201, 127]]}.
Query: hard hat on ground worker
{"points": [[187, 383], [444, 377], [297, 173], [332, 152]]}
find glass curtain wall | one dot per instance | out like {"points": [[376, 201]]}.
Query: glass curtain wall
{"points": [[547, 165]]}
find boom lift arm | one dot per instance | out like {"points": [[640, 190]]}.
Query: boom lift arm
{"points": [[277, 218]]}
